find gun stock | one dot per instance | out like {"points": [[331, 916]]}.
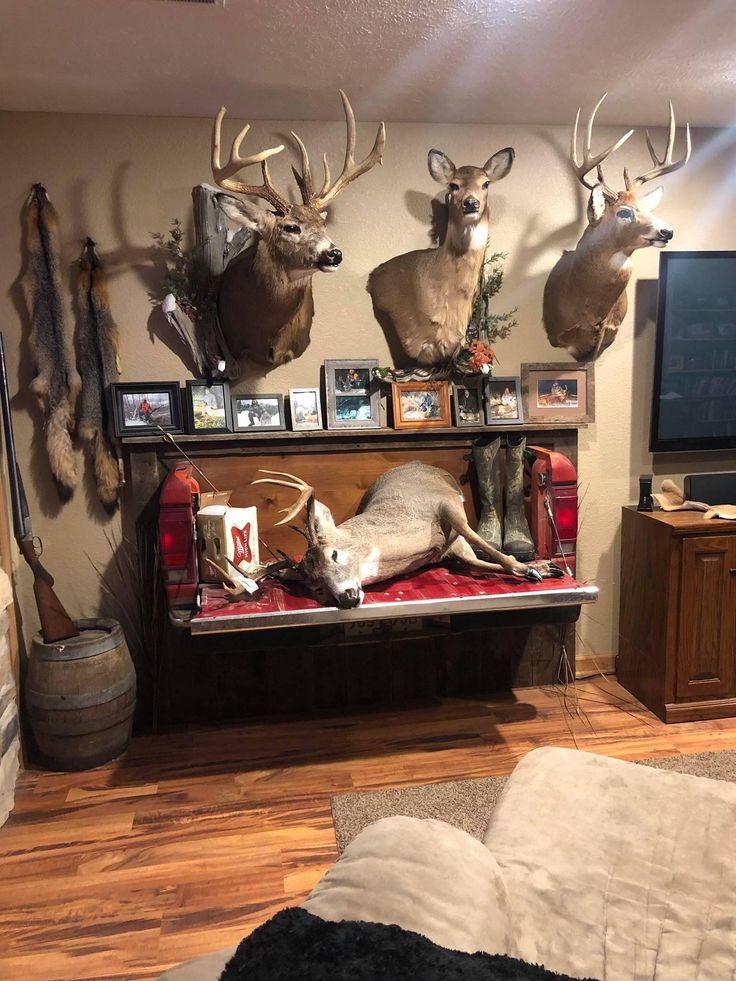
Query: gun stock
{"points": [[56, 624]]}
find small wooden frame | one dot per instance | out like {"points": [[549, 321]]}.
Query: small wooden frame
{"points": [[208, 406], [421, 404], [504, 403], [306, 411], [555, 392], [258, 413], [139, 408], [353, 395], [467, 402]]}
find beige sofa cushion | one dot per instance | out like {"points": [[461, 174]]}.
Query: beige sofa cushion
{"points": [[618, 871], [424, 875]]}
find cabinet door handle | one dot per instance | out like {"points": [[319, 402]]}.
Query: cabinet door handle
{"points": [[732, 571]]}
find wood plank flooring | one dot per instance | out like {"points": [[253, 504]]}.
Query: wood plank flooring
{"points": [[195, 838]]}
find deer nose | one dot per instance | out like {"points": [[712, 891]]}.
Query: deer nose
{"points": [[471, 206], [666, 234], [349, 598], [333, 257]]}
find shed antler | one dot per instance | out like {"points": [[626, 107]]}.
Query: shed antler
{"points": [[297, 483], [665, 165], [590, 160], [223, 174], [350, 171]]}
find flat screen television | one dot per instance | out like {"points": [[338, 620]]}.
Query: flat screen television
{"points": [[694, 398]]}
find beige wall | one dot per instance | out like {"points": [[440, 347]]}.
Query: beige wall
{"points": [[118, 179]]}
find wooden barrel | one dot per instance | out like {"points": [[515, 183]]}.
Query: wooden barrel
{"points": [[80, 696]]}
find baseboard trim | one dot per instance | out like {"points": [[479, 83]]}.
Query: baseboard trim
{"points": [[588, 664]]}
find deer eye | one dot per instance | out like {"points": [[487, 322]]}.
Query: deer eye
{"points": [[334, 556], [625, 213], [294, 229], [454, 187], [486, 184]]}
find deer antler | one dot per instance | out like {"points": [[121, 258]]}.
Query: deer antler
{"points": [[590, 160], [665, 165], [297, 483], [350, 171], [223, 174]]}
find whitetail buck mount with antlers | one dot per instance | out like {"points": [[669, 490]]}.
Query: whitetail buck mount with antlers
{"points": [[265, 300], [585, 294], [410, 517], [424, 299]]}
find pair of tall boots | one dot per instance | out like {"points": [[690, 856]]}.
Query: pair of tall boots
{"points": [[503, 522]]}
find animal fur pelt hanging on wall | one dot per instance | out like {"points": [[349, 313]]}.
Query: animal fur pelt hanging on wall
{"points": [[98, 344], [57, 383]]}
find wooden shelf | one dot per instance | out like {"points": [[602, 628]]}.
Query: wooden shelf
{"points": [[354, 434]]}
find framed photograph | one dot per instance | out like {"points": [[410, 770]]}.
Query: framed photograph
{"points": [[353, 395], [467, 401], [306, 411], [559, 392], [503, 401], [264, 413], [421, 405], [139, 408], [208, 407]]}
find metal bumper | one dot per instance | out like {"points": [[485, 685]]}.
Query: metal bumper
{"points": [[435, 592]]}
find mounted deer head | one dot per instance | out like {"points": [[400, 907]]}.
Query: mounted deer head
{"points": [[424, 299], [265, 302], [585, 294]]}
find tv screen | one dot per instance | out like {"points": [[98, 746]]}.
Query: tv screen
{"points": [[694, 398]]}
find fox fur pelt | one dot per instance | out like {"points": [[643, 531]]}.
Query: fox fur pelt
{"points": [[98, 345], [57, 383]]}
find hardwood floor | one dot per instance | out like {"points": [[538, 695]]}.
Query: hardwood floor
{"points": [[195, 838]]}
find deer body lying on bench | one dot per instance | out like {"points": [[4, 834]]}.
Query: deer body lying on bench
{"points": [[412, 516]]}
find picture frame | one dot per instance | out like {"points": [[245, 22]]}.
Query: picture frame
{"points": [[559, 392], [504, 403], [353, 394], [467, 402], [306, 409], [139, 408], [258, 413], [208, 407], [421, 404]]}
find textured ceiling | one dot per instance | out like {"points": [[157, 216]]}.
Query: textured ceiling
{"points": [[478, 61]]}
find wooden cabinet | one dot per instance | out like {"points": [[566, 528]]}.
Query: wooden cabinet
{"points": [[677, 625]]}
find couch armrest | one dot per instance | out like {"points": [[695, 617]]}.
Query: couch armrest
{"points": [[424, 876]]}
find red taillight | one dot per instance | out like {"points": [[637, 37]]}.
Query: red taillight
{"points": [[565, 510], [177, 502], [176, 531]]}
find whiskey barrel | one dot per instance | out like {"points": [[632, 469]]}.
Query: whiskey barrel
{"points": [[80, 696]]}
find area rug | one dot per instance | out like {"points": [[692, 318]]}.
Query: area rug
{"points": [[467, 804]]}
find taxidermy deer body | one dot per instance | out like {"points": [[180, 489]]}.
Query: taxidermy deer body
{"points": [[424, 299], [265, 302], [412, 516], [585, 294]]}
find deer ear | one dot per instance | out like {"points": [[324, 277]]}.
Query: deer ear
{"points": [[499, 164], [320, 523], [652, 199], [245, 213], [596, 204], [440, 166]]}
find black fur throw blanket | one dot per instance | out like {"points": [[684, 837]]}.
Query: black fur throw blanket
{"points": [[296, 946]]}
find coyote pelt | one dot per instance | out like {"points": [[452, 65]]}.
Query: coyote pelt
{"points": [[98, 345], [57, 383]]}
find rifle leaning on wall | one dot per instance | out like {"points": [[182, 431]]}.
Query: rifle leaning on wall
{"points": [[56, 624]]}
